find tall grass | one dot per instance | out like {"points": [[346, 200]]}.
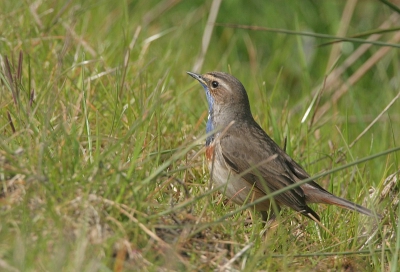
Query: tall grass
{"points": [[101, 151]]}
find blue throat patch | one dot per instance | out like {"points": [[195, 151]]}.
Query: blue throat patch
{"points": [[209, 126]]}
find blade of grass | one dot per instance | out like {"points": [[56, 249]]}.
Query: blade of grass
{"points": [[310, 34]]}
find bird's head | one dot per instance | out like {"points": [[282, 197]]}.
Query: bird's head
{"points": [[227, 98]]}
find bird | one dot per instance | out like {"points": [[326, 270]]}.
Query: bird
{"points": [[246, 163]]}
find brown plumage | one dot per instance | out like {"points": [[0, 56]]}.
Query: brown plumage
{"points": [[246, 161]]}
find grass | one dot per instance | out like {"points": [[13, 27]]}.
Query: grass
{"points": [[101, 151]]}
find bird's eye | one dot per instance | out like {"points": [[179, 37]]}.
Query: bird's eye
{"points": [[214, 84]]}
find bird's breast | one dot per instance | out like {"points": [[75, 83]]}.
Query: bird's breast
{"points": [[209, 152]]}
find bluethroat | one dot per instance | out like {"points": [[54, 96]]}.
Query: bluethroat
{"points": [[246, 162]]}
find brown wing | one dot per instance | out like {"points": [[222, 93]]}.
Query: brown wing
{"points": [[299, 172], [246, 156]]}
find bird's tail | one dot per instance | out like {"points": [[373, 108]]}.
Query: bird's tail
{"points": [[315, 195]]}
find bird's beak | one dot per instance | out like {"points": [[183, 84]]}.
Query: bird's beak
{"points": [[198, 77]]}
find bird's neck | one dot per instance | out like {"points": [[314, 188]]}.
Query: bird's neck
{"points": [[210, 127], [220, 118]]}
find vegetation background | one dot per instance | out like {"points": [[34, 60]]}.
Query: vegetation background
{"points": [[102, 133]]}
